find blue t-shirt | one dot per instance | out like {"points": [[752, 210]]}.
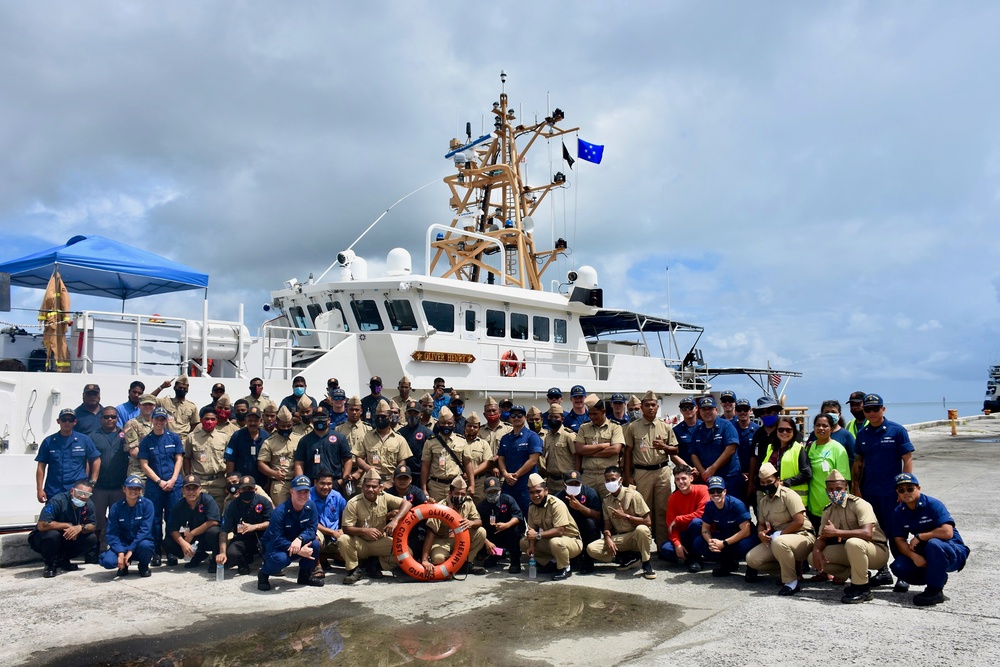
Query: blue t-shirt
{"points": [[844, 437], [88, 422], [883, 448], [684, 435], [928, 514], [66, 457], [126, 412], [726, 521], [710, 443]]}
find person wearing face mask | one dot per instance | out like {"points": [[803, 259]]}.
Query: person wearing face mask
{"points": [[481, 455], [504, 525], [551, 535], [427, 411], [518, 456], [368, 529], [831, 408], [495, 428], [649, 444], [557, 449], [585, 507], [416, 435], [302, 417], [619, 414], [182, 413], [323, 449], [850, 541], [727, 533], [785, 532], [394, 414], [240, 411], [685, 508], [553, 397], [684, 430], [245, 519], [224, 411], [354, 429], [825, 455], [767, 412], [276, 457], [65, 528], [130, 531], [370, 402], [205, 455], [257, 398], [855, 404], [535, 421], [626, 526], [291, 534], [269, 419], [634, 406], [381, 449], [298, 391], [233, 489], [438, 543], [457, 407], [505, 405], [444, 457], [244, 447]]}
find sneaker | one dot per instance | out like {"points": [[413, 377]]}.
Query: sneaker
{"points": [[515, 567], [628, 563], [197, 559], [562, 575], [647, 571], [882, 578], [67, 566], [49, 571], [144, 572], [263, 582], [901, 586], [694, 565], [751, 575], [857, 594], [930, 596], [122, 571], [353, 576]]}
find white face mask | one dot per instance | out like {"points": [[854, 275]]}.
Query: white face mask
{"points": [[613, 487], [574, 490]]}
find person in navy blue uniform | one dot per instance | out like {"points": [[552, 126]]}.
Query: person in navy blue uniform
{"points": [[110, 442], [713, 448], [585, 507], [88, 413], [130, 531], [728, 401], [504, 524], [416, 435], [727, 532], [161, 454], [936, 548], [197, 515], [65, 529], [338, 407], [65, 457], [244, 445], [578, 414], [883, 450], [291, 534], [324, 449], [684, 430], [745, 430], [246, 518], [618, 414], [518, 456]]}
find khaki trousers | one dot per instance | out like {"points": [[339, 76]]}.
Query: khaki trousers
{"points": [[640, 539], [280, 491], [595, 480], [560, 548], [855, 557], [441, 551], [354, 549], [781, 555], [438, 491], [654, 487]]}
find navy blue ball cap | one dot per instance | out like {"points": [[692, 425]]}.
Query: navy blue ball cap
{"points": [[577, 390], [301, 482], [873, 400], [906, 478]]}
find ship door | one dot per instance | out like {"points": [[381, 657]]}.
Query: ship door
{"points": [[472, 321]]}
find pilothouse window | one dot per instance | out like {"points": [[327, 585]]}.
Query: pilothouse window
{"points": [[315, 310], [470, 320], [496, 323], [560, 330], [366, 313], [299, 320], [519, 326], [540, 328], [401, 315], [331, 305], [441, 316]]}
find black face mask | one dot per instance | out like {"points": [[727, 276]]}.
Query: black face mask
{"points": [[240, 416], [247, 496], [320, 425], [412, 420], [181, 393], [382, 421], [232, 489], [555, 424], [769, 489], [284, 432], [446, 431]]}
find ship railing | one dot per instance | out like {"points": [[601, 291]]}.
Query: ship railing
{"points": [[140, 331]]}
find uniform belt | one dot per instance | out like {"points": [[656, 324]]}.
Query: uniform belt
{"points": [[440, 480], [556, 477], [211, 478], [652, 467]]}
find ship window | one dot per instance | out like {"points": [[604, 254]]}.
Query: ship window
{"points": [[335, 305], [496, 323], [519, 326], [470, 320], [366, 313], [540, 328], [441, 316], [315, 310], [560, 330], [299, 320], [401, 315]]}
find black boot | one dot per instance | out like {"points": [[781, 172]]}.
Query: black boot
{"points": [[515, 561], [306, 577], [263, 582]]}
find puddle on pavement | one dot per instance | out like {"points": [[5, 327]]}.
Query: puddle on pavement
{"points": [[987, 440], [348, 635]]}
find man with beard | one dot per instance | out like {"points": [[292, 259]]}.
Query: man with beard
{"points": [[551, 532], [130, 408]]}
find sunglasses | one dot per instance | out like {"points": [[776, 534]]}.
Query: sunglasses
{"points": [[872, 408], [716, 492], [67, 420], [685, 408], [784, 429], [905, 489], [109, 416], [742, 409]]}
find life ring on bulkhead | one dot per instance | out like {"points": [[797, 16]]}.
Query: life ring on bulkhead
{"points": [[401, 546], [193, 372], [509, 367]]}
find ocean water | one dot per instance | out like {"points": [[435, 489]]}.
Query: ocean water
{"points": [[913, 413]]}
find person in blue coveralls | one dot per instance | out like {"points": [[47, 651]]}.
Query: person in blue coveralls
{"points": [[65, 457], [684, 430], [727, 532], [713, 448], [936, 547], [65, 528], [518, 456], [290, 535], [745, 429], [130, 531], [161, 454], [883, 450]]}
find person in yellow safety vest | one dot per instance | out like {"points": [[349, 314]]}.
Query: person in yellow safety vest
{"points": [[791, 458]]}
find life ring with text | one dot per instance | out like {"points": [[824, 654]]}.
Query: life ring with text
{"points": [[411, 565], [509, 367], [194, 368]]}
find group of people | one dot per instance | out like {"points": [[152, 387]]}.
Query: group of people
{"points": [[600, 482]]}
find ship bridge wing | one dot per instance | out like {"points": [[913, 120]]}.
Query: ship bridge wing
{"points": [[608, 322]]}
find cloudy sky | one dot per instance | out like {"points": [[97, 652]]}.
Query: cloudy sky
{"points": [[821, 179]]}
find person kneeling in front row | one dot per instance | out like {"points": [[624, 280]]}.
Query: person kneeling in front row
{"points": [[626, 525], [65, 528], [291, 534], [727, 534], [130, 530], [194, 521], [552, 533], [438, 545]]}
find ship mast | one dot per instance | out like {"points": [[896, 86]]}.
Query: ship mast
{"points": [[490, 199]]}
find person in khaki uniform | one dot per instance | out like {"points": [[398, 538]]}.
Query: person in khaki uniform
{"points": [[557, 450], [256, 397], [626, 525], [405, 386], [382, 449], [135, 430], [276, 458], [598, 444], [443, 458], [534, 421], [481, 455], [649, 444], [224, 410], [850, 540], [494, 429], [302, 419], [551, 531], [205, 455], [354, 429], [786, 536], [182, 413], [440, 539], [427, 411], [367, 528]]}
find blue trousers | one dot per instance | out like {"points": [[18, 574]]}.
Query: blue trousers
{"points": [[276, 561], [884, 507], [734, 553], [943, 556], [736, 486], [688, 535], [142, 554], [163, 506]]}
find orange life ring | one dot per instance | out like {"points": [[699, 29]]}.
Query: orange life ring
{"points": [[509, 366], [193, 372], [411, 565]]}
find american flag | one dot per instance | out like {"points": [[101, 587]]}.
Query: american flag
{"points": [[775, 380]]}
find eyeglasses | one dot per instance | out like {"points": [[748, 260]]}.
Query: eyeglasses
{"points": [[872, 408], [784, 429], [439, 386], [83, 494], [905, 489]]}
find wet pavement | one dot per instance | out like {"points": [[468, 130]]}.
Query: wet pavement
{"points": [[178, 617]]}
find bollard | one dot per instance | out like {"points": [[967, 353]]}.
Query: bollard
{"points": [[953, 415]]}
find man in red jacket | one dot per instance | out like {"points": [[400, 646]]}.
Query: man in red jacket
{"points": [[684, 509]]}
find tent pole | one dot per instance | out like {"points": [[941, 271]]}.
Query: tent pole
{"points": [[204, 335], [239, 344]]}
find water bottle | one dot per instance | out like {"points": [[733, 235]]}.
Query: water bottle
{"points": [[220, 573], [532, 568]]}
